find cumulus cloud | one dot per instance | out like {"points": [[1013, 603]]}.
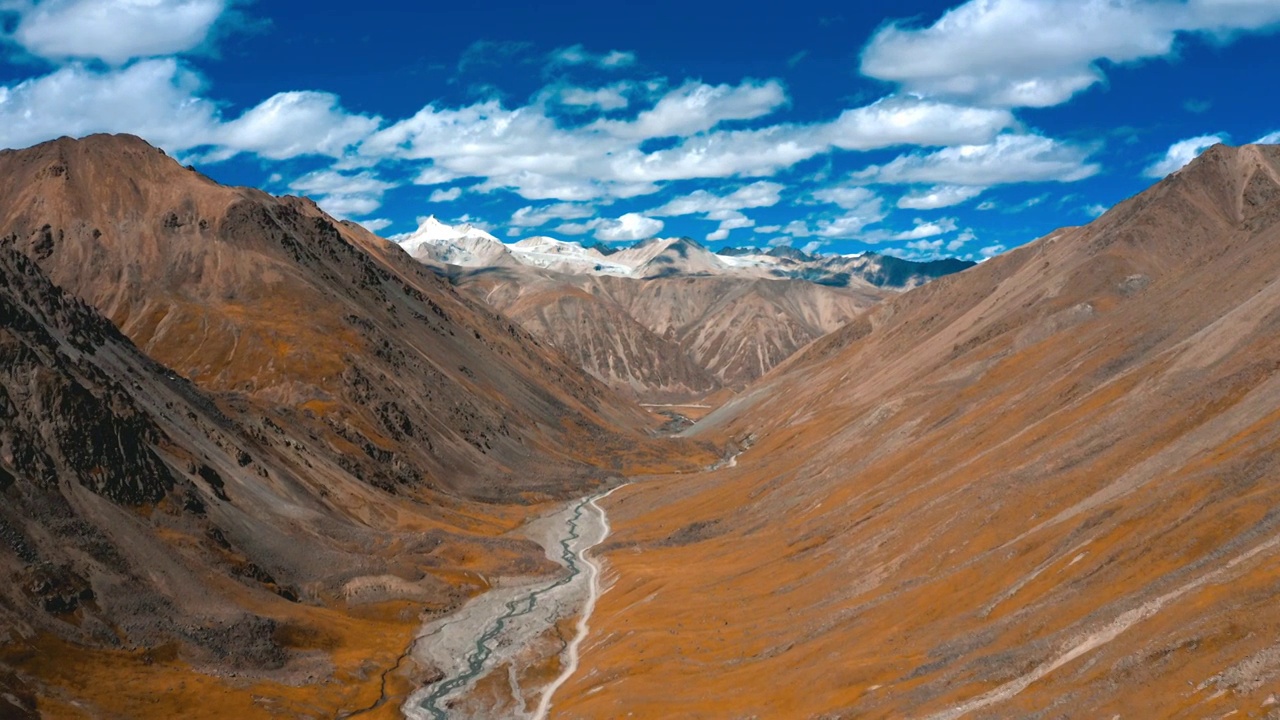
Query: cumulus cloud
{"points": [[432, 175], [629, 227], [849, 226], [376, 224], [348, 206], [443, 196], [756, 195], [530, 216], [729, 220], [1010, 158], [927, 229], [915, 121], [343, 195], [849, 198], [290, 124], [1039, 53], [961, 240], [938, 196], [1268, 139], [160, 100], [152, 98], [114, 31], [926, 246], [1181, 153], [695, 107]]}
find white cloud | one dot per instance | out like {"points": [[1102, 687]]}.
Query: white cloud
{"points": [[696, 107], [849, 198], [1095, 210], [290, 124], [915, 121], [155, 99], [348, 206], [328, 182], [1269, 139], [938, 196], [1010, 158], [755, 195], [628, 227], [742, 153], [432, 175], [1181, 153], [990, 251], [376, 224], [444, 196], [849, 226], [114, 31], [961, 240], [578, 55], [1039, 53], [340, 195], [530, 216], [930, 246], [929, 229], [608, 98], [631, 226], [797, 228], [729, 220]]}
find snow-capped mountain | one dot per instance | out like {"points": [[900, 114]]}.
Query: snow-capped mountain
{"points": [[470, 247], [464, 245], [566, 257]]}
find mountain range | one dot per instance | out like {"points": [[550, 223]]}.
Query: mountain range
{"points": [[667, 321], [256, 461]]}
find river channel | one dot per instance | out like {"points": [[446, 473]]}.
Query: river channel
{"points": [[496, 635]]}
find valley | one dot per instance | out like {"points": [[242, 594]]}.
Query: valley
{"points": [[257, 461]]}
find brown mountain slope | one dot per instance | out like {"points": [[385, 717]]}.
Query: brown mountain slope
{"points": [[357, 447], [1044, 487], [669, 339], [613, 346], [315, 322], [146, 534]]}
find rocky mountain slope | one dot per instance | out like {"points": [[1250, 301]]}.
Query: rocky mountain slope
{"points": [[310, 321], [668, 320], [243, 446], [668, 339], [1042, 487]]}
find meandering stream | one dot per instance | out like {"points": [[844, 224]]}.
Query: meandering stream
{"points": [[508, 622]]}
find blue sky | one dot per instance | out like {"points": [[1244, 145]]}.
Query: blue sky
{"points": [[939, 129]]}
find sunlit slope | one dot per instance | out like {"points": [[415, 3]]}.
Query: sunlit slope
{"points": [[316, 322], [1044, 487]]}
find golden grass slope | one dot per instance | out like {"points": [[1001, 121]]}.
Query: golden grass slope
{"points": [[1044, 487]]}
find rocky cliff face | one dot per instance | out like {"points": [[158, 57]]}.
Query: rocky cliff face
{"points": [[65, 418]]}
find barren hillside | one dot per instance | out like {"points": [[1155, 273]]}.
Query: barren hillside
{"points": [[1041, 485]]}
